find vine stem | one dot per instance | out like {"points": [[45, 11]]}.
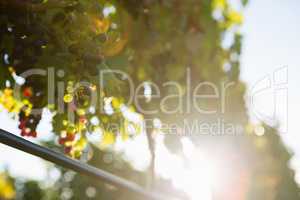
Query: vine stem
{"points": [[151, 146]]}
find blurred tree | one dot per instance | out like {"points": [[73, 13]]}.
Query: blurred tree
{"points": [[272, 177], [152, 42], [32, 190]]}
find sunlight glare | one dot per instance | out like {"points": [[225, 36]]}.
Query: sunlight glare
{"points": [[196, 176]]}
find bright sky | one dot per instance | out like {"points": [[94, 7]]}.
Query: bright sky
{"points": [[19, 164], [272, 32]]}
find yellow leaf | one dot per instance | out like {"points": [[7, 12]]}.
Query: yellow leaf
{"points": [[80, 112], [235, 17], [6, 188], [68, 98], [116, 103], [81, 144], [108, 139], [219, 4]]}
